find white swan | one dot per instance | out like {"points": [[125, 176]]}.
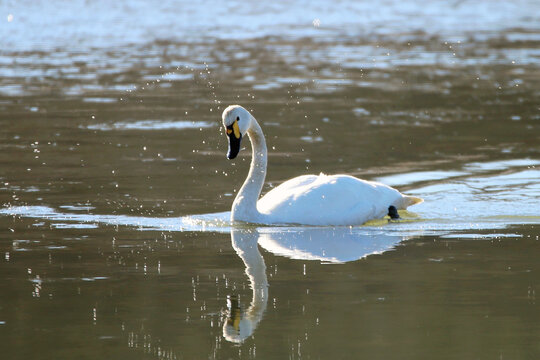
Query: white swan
{"points": [[307, 199]]}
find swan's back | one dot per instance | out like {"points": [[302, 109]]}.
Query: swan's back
{"points": [[330, 200]]}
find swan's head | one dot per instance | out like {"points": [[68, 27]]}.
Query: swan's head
{"points": [[236, 121]]}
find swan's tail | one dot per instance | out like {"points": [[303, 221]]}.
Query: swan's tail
{"points": [[410, 200]]}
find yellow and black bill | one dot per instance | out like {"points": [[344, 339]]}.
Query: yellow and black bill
{"points": [[234, 135]]}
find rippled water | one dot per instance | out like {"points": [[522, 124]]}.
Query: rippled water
{"points": [[115, 240]]}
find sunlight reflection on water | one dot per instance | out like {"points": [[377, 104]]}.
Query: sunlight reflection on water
{"points": [[100, 22], [455, 201], [151, 125]]}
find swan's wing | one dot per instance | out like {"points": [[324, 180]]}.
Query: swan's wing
{"points": [[292, 185], [287, 192], [324, 200]]}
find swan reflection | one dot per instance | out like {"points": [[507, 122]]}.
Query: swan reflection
{"points": [[328, 245], [240, 324]]}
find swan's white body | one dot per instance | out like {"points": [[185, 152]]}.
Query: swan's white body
{"points": [[328, 200], [307, 199]]}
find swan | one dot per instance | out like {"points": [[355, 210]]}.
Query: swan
{"points": [[320, 200]]}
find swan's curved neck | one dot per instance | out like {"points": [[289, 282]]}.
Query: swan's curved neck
{"points": [[245, 204]]}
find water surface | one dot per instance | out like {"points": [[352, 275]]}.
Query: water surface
{"points": [[115, 189]]}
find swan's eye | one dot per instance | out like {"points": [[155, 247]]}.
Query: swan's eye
{"points": [[238, 118]]}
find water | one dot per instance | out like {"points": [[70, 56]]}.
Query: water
{"points": [[115, 187]]}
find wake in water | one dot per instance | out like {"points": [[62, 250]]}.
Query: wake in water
{"points": [[218, 222], [482, 196]]}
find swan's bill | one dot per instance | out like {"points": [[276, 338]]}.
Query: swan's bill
{"points": [[235, 137]]}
